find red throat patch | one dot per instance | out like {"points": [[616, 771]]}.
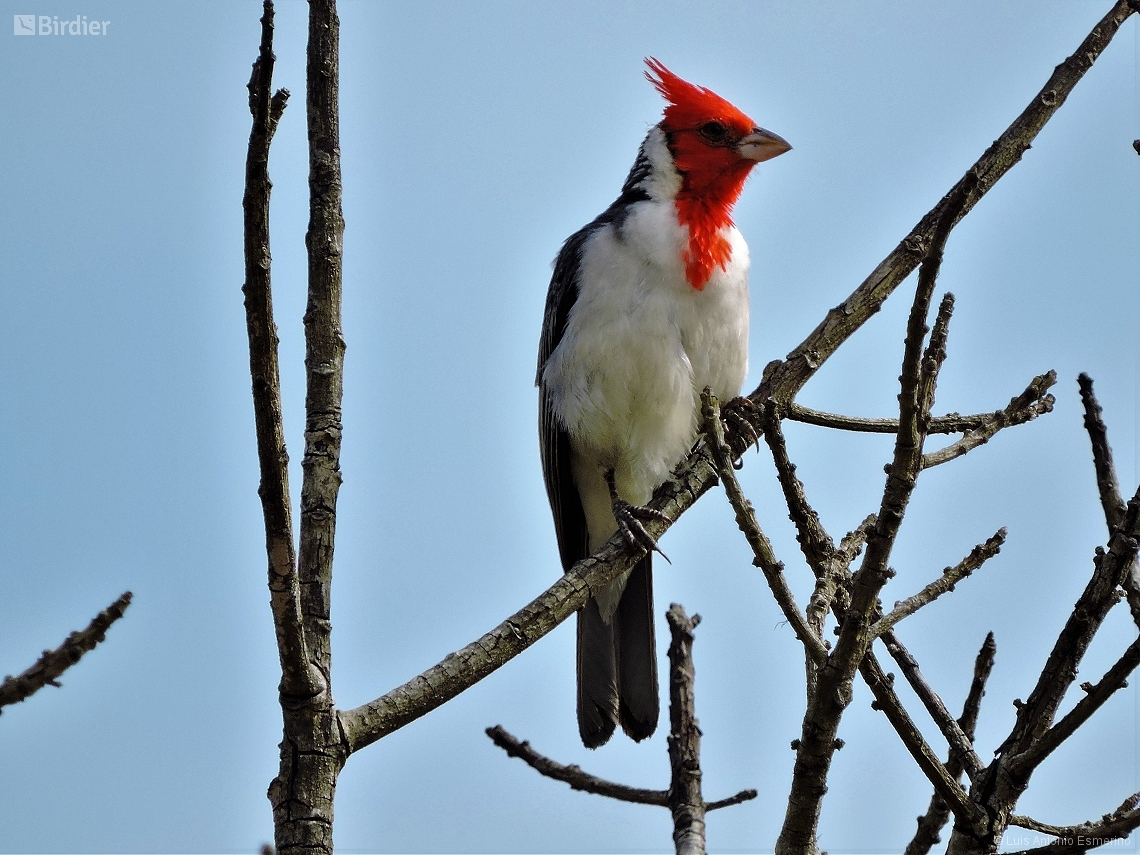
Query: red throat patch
{"points": [[712, 171], [707, 249]]}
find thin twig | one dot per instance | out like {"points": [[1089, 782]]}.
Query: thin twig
{"points": [[955, 736], [836, 575], [1115, 678], [1034, 825], [938, 813], [950, 423], [986, 423], [983, 666], [934, 354], [573, 775], [587, 783], [946, 785], [829, 565], [916, 396], [815, 543], [978, 556], [765, 558], [1027, 406], [1081, 838], [52, 663], [1107, 484], [739, 798]]}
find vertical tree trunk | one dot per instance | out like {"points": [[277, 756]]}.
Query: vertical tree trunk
{"points": [[312, 750]]}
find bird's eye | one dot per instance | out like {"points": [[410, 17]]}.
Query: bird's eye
{"points": [[714, 132]]}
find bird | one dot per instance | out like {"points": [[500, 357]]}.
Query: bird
{"points": [[647, 305]]}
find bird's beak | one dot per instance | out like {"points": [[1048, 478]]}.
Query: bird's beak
{"points": [[761, 145]]}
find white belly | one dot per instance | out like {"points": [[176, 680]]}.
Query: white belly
{"points": [[640, 345]]}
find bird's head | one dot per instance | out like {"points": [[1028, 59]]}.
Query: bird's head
{"points": [[714, 144]]}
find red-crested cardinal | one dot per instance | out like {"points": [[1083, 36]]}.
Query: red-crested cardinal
{"points": [[648, 305]]}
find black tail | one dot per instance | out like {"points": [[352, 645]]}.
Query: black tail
{"points": [[617, 664]]}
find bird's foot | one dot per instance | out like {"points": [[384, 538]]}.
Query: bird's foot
{"points": [[629, 520], [737, 416]]}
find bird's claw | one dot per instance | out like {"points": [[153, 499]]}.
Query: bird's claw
{"points": [[733, 414], [629, 518]]}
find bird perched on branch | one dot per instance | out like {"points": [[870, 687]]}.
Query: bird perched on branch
{"points": [[648, 304]]}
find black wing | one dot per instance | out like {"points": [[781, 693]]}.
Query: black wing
{"points": [[554, 441], [617, 668], [569, 519]]}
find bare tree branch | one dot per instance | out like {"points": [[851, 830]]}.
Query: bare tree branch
{"points": [[915, 399], [50, 665], [815, 543], [1027, 406], [1035, 716], [935, 353], [968, 721], [740, 798], [324, 341], [979, 427], [312, 750], [978, 556], [298, 677], [573, 775], [886, 700], [944, 783], [685, 800], [976, 429], [1081, 838], [938, 813], [1107, 485], [960, 744], [765, 559], [1006, 778], [950, 423], [836, 575], [830, 566], [460, 670], [1095, 696], [587, 783], [817, 743]]}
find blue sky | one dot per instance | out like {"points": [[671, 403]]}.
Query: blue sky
{"points": [[475, 138]]}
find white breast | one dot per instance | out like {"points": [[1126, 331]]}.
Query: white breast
{"points": [[641, 343]]}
